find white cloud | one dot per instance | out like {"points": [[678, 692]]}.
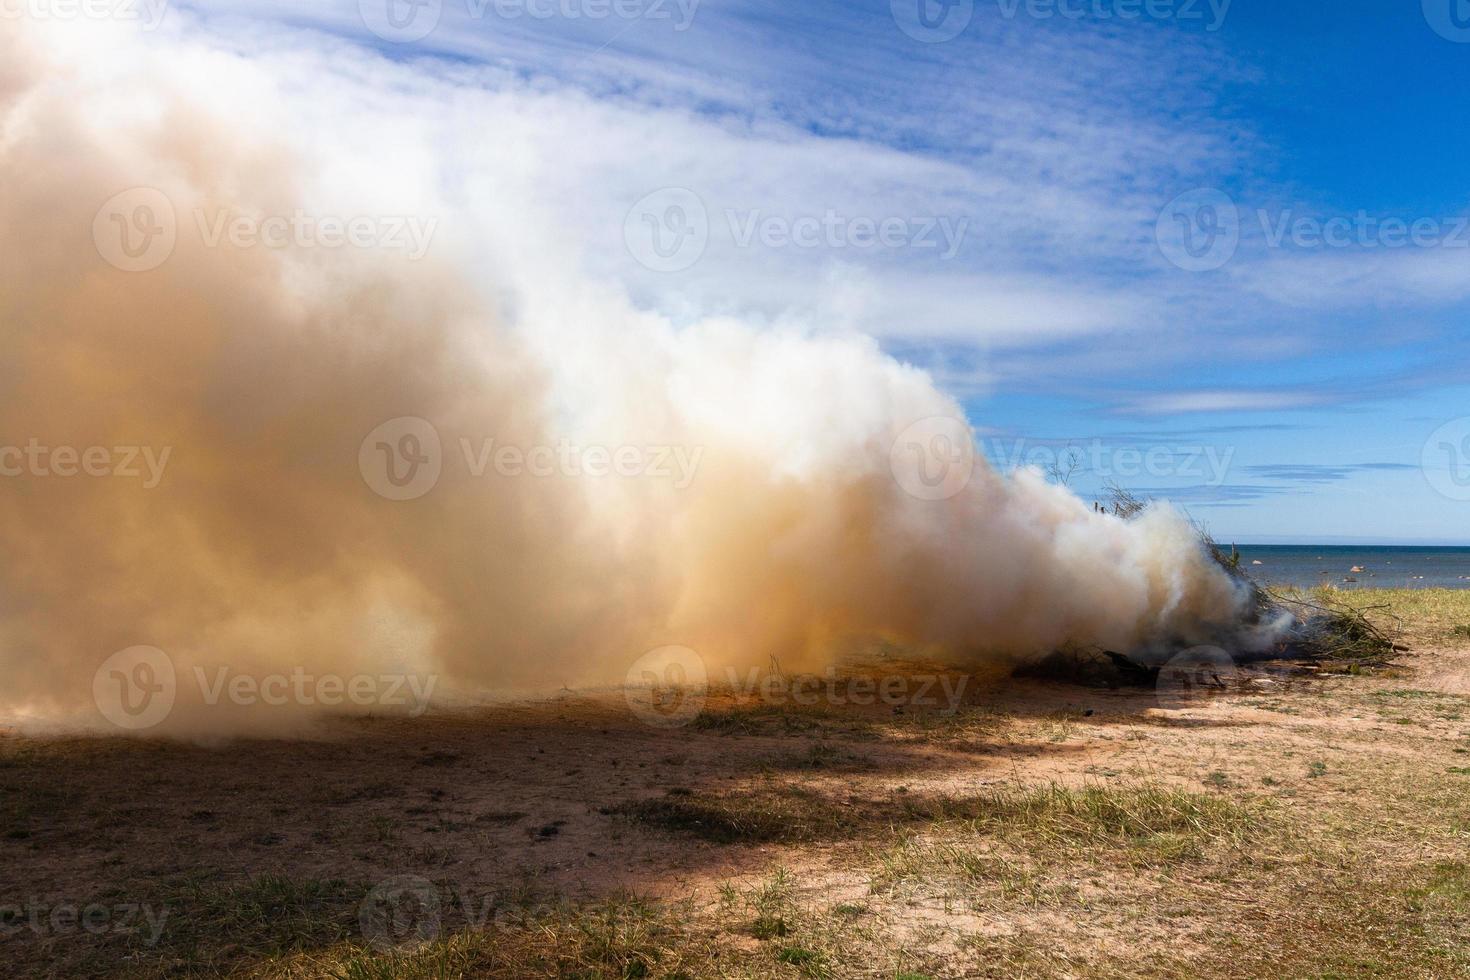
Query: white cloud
{"points": [[1054, 145], [1182, 402], [1045, 146], [1431, 276]]}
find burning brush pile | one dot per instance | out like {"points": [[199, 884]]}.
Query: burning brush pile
{"points": [[1317, 631]]}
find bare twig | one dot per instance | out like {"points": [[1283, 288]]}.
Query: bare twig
{"points": [[1337, 631], [1124, 503]]}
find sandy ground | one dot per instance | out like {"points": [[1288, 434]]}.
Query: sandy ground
{"points": [[534, 798]]}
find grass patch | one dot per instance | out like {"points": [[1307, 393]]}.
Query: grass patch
{"points": [[782, 719], [629, 938], [1102, 816], [915, 863], [266, 916], [625, 937], [195, 927], [822, 755], [1448, 886], [1021, 848], [1146, 816], [1426, 615], [785, 815]]}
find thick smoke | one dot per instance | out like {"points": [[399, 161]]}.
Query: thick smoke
{"points": [[770, 506]]}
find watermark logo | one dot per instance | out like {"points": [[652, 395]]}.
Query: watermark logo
{"points": [[402, 459], [677, 464], [679, 12], [1208, 464], [668, 230], [1362, 230], [1445, 459], [1197, 672], [136, 230], [1184, 11], [406, 911], [1449, 18], [391, 690], [144, 463], [147, 13], [135, 688], [400, 911], [406, 233], [932, 21], [407, 21], [93, 918], [671, 229], [934, 458], [401, 21], [667, 687], [943, 692], [1199, 230], [833, 230]]}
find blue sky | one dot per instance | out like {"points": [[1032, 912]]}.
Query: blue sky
{"points": [[1299, 376]]}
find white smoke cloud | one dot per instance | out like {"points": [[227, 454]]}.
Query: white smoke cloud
{"points": [[266, 547]]}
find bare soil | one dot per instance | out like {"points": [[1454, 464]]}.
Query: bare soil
{"points": [[1286, 825]]}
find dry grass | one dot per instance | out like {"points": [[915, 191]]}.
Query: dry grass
{"points": [[1427, 616], [1312, 829], [783, 719], [787, 814], [1162, 819]]}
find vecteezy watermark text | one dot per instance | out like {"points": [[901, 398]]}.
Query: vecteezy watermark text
{"points": [[1285, 228], [409, 910], [834, 230], [668, 687], [1201, 230], [935, 21], [137, 688], [412, 691], [670, 230], [408, 21], [42, 918], [145, 463], [566, 458], [1209, 464], [1210, 13], [147, 13], [679, 12], [943, 691], [409, 234], [137, 230], [404, 458]]}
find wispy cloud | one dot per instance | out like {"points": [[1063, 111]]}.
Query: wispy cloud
{"points": [[1046, 141], [1207, 495], [1219, 400], [1308, 473], [1050, 147]]}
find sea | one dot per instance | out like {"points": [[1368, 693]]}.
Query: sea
{"points": [[1381, 566]]}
